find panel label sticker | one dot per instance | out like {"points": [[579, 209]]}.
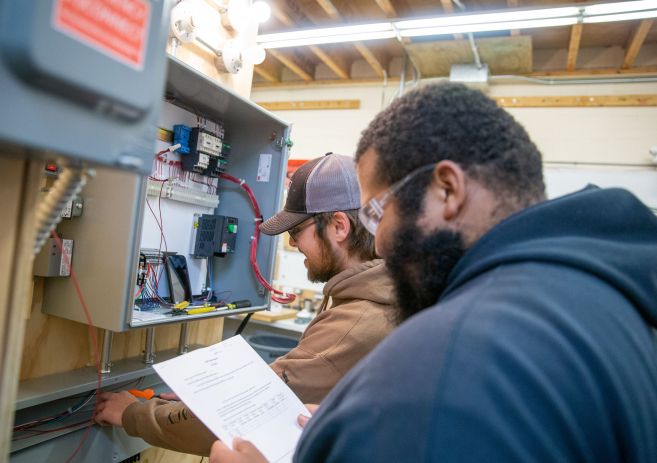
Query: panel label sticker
{"points": [[264, 168], [67, 256], [117, 28]]}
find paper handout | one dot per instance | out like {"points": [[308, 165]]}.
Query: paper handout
{"points": [[236, 394]]}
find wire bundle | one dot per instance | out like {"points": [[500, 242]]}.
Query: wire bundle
{"points": [[276, 295], [35, 427]]}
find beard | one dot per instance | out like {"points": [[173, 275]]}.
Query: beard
{"points": [[420, 266], [329, 264]]}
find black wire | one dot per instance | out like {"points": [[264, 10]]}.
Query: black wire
{"points": [[243, 324]]}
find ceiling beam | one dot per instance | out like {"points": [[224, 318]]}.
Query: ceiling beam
{"points": [[388, 8], [268, 71], [371, 58], [513, 4], [282, 17], [323, 83], [363, 49], [448, 7], [291, 64], [640, 71], [637, 41], [573, 46], [334, 63], [329, 9]]}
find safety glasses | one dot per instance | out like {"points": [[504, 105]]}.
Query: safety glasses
{"points": [[371, 213]]}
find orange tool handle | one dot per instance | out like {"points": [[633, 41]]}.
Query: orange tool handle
{"points": [[145, 394]]}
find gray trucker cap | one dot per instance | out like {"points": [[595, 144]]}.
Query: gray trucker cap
{"points": [[324, 184]]}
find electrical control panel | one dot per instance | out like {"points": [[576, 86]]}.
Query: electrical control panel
{"points": [[131, 223], [65, 66]]}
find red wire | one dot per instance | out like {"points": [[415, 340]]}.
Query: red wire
{"points": [[92, 334], [276, 295]]}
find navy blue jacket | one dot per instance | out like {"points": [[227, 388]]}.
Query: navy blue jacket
{"points": [[541, 349]]}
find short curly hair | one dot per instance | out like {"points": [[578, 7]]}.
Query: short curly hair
{"points": [[450, 121]]}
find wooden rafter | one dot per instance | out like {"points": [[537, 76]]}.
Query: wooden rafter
{"points": [[282, 17], [323, 83], [637, 41], [642, 71], [330, 9], [448, 7], [265, 74], [363, 49], [573, 46], [387, 7], [335, 64], [270, 70], [371, 58], [291, 64], [513, 4]]}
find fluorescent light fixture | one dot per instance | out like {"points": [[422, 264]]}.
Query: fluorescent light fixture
{"points": [[621, 16], [488, 18], [464, 23], [326, 32], [620, 7], [501, 26], [329, 39]]}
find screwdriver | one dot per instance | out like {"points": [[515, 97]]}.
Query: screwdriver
{"points": [[143, 394]]}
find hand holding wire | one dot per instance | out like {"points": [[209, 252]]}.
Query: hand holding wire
{"points": [[110, 407]]}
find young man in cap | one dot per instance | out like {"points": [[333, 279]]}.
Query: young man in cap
{"points": [[321, 216]]}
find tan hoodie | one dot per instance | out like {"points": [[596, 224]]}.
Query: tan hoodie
{"points": [[357, 320]]}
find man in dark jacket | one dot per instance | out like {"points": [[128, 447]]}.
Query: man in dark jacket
{"points": [[540, 346]]}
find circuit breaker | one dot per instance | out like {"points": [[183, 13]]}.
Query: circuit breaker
{"points": [[205, 152]]}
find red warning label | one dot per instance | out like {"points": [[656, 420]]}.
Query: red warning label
{"points": [[118, 28]]}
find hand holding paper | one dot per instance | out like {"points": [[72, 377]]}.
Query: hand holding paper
{"points": [[235, 394]]}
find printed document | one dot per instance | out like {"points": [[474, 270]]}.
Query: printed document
{"points": [[236, 394]]}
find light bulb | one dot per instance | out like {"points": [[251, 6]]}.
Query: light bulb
{"points": [[260, 11], [237, 16], [255, 54]]}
